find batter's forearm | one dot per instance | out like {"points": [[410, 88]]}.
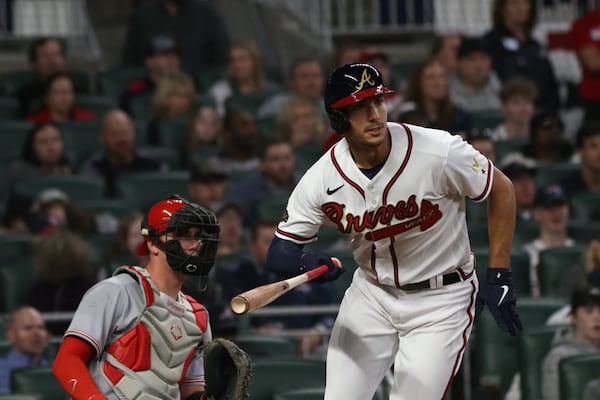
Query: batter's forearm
{"points": [[501, 220]]}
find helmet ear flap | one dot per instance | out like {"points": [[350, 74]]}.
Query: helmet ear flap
{"points": [[338, 120]]}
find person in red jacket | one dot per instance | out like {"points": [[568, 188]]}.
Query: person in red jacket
{"points": [[59, 103], [585, 38]]}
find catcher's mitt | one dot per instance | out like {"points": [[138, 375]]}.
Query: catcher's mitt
{"points": [[227, 370]]}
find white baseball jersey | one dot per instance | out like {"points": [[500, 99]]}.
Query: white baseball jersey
{"points": [[407, 224]]}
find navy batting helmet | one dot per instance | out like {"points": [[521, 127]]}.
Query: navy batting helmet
{"points": [[350, 84], [175, 215]]}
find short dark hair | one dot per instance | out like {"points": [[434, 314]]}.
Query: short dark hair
{"points": [[36, 44], [269, 142], [302, 60], [518, 87], [588, 130], [498, 15]]}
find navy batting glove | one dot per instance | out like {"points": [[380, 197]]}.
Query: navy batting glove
{"points": [[497, 292], [313, 260]]}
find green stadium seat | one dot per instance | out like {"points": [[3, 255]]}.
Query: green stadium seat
{"points": [[167, 155], [38, 380], [525, 232], [81, 139], [13, 246], [15, 281], [301, 394], [271, 209], [98, 104], [248, 102], [271, 376], [476, 212], [114, 81], [260, 345], [208, 77], [585, 207], [495, 353], [140, 107], [142, 190], [508, 146], [486, 119], [553, 173], [118, 208], [8, 396], [5, 346], [553, 266], [575, 372], [9, 108], [13, 134], [478, 236], [77, 187], [533, 347], [173, 132]]}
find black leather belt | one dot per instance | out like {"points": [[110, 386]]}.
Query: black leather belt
{"points": [[448, 279]]}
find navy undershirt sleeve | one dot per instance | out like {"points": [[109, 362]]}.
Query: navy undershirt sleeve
{"points": [[284, 257]]}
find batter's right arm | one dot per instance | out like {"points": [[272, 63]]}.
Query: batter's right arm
{"points": [[496, 289]]}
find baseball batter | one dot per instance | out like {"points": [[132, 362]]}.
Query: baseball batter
{"points": [[136, 335], [399, 192]]}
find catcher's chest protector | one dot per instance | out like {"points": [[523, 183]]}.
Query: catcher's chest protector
{"points": [[151, 358]]}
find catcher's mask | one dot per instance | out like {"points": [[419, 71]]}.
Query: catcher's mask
{"points": [[347, 85], [176, 217]]}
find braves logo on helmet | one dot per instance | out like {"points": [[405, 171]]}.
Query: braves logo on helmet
{"points": [[347, 85]]}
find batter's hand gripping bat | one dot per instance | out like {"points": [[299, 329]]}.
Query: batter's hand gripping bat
{"points": [[262, 295]]}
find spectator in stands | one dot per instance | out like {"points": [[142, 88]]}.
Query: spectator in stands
{"points": [[482, 142], [521, 171], [118, 156], [517, 96], [587, 179], [206, 185], [245, 75], [27, 334], [475, 86], [586, 43], [445, 49], [231, 238], [46, 57], [299, 121], [195, 25], [162, 58], [206, 126], [276, 178], [515, 52], [551, 213], [127, 239], [239, 152], [43, 153], [591, 257], [430, 101], [173, 98], [59, 102], [52, 209], [547, 142], [62, 274], [306, 80], [346, 52], [251, 272], [582, 338]]}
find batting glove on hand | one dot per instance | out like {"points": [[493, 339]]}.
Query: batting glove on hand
{"points": [[497, 292], [314, 260]]}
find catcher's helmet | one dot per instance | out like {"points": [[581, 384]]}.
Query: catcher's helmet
{"points": [[350, 84], [174, 215]]}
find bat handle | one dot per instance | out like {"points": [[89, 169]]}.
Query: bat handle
{"points": [[315, 273]]}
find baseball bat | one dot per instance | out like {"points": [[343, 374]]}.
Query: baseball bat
{"points": [[260, 296]]}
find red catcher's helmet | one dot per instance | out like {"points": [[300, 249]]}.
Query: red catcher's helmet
{"points": [[179, 215]]}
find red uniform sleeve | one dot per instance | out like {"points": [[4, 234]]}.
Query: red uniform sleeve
{"points": [[70, 369]]}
